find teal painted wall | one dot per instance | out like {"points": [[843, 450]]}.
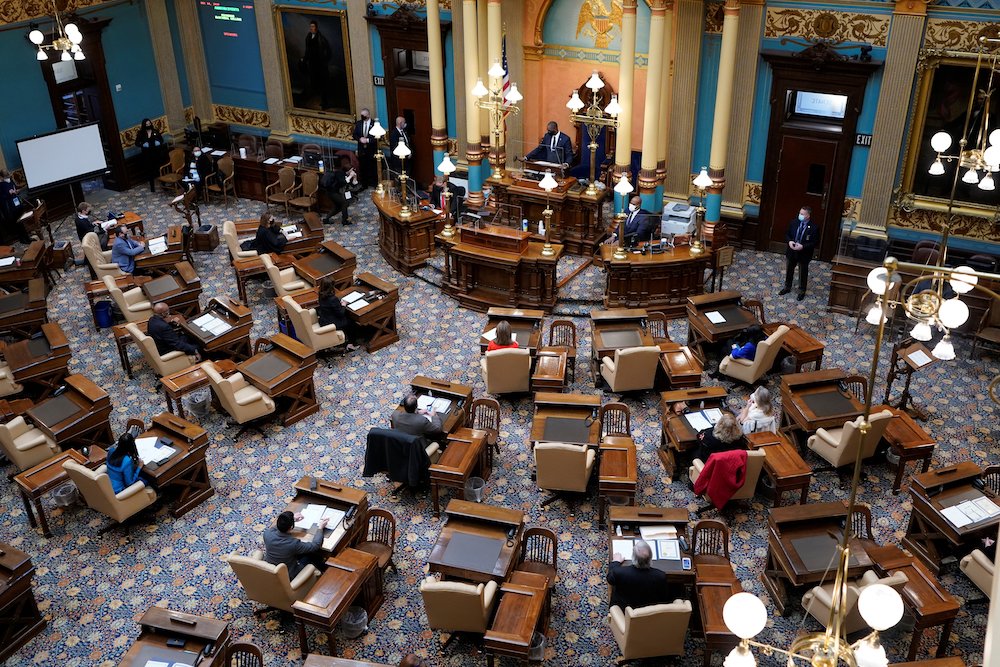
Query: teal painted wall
{"points": [[708, 77], [175, 38], [232, 54], [24, 107]]}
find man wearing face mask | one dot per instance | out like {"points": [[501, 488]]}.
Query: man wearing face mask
{"points": [[554, 147], [366, 149], [399, 136], [637, 224], [801, 238]]}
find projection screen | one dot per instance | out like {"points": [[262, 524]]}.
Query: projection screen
{"points": [[62, 156]]}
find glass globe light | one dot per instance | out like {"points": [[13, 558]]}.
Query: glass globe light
{"points": [[594, 82], [941, 141], [36, 37], [745, 615], [921, 331], [992, 154], [76, 38], [937, 168], [613, 108], [953, 313], [987, 182], [994, 138], [870, 653], [944, 350], [880, 606], [876, 280], [962, 279], [78, 54], [447, 166], [41, 55], [401, 150], [70, 28], [513, 95], [971, 176], [496, 70], [479, 90], [874, 315], [377, 130], [575, 103], [623, 187], [548, 183], [65, 56], [702, 181], [740, 657]]}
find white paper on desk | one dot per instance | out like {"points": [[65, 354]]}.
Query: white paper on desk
{"points": [[291, 236], [7, 261], [311, 515], [715, 317], [331, 540], [956, 516], [333, 516], [219, 327], [668, 550], [987, 506], [971, 510], [156, 663], [289, 229], [157, 245], [295, 158], [713, 415], [653, 532], [108, 224], [357, 304], [919, 358], [426, 402], [204, 321], [149, 452], [353, 296], [698, 421], [623, 547], [218, 153], [271, 160]]}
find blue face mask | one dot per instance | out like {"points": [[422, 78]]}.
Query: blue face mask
{"points": [[802, 218]]}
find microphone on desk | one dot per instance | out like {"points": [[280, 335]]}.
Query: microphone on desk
{"points": [[591, 419], [59, 390]]}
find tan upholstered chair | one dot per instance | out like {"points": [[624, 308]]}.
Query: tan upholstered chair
{"points": [[562, 467], [651, 631], [173, 171], [980, 569], [8, 386], [818, 601], [25, 445], [841, 446], [308, 330], [454, 606], [239, 398], [233, 242], [269, 584], [506, 371], [95, 487], [99, 260], [748, 371], [282, 190], [285, 281], [632, 369], [132, 303], [164, 364], [755, 461]]}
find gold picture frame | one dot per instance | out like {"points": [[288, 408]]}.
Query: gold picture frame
{"points": [[318, 79]]}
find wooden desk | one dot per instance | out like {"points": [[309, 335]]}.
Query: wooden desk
{"points": [[465, 456], [525, 326], [22, 314], [380, 313], [801, 546], [163, 263], [702, 331], [285, 371], [38, 480], [181, 290], [680, 365], [405, 243], [806, 348], [40, 364], [660, 282], [315, 660], [564, 417], [187, 469], [231, 344], [176, 385], [908, 441], [783, 465], [353, 502], [96, 291], [79, 417], [631, 518], [460, 396], [28, 266], [331, 261], [131, 221], [550, 370], [22, 619], [714, 585], [677, 436], [467, 524], [934, 662], [925, 598], [519, 614], [349, 576], [198, 632], [618, 473], [613, 330], [929, 535], [815, 400], [14, 408], [251, 267]]}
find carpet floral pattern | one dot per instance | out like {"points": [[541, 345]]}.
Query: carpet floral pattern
{"points": [[93, 588]]}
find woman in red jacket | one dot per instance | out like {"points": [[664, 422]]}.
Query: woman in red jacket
{"points": [[503, 339]]}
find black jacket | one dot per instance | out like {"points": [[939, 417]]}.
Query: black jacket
{"points": [[640, 588], [84, 225], [148, 143], [637, 226], [168, 338], [809, 239], [364, 150], [401, 455], [268, 240], [710, 444], [329, 310], [416, 424]]}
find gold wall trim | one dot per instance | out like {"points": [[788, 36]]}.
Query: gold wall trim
{"points": [[240, 116], [751, 193], [16, 11], [967, 226], [837, 26], [128, 135], [714, 16], [953, 35], [327, 128]]}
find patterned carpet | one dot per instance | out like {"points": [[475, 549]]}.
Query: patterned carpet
{"points": [[94, 587]]}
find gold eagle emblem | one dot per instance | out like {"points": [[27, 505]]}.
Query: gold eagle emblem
{"points": [[597, 20]]}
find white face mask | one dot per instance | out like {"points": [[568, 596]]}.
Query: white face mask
{"points": [[633, 207]]}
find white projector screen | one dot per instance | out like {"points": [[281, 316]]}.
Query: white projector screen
{"points": [[62, 156]]}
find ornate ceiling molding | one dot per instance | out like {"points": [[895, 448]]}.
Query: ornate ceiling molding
{"points": [[240, 116], [832, 26], [17, 11], [953, 35]]}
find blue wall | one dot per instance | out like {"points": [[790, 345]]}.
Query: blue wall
{"points": [[708, 78], [175, 37], [232, 54], [25, 109]]}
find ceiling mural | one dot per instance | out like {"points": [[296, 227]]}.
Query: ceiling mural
{"points": [[16, 11]]}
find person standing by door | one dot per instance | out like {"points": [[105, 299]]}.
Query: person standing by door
{"points": [[367, 145], [801, 237]]}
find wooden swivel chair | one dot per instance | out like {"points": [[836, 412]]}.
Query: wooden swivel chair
{"points": [[562, 335], [485, 416], [243, 654], [615, 420], [988, 332], [172, 172], [282, 190], [380, 539], [308, 192], [539, 553], [221, 183], [710, 542]]}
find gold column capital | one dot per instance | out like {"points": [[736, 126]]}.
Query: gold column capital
{"points": [[732, 6], [658, 6], [911, 7], [629, 6]]}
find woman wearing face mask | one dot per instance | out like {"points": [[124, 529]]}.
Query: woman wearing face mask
{"points": [[150, 144]]}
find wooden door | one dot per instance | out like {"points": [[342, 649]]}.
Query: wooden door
{"points": [[413, 102], [805, 170]]}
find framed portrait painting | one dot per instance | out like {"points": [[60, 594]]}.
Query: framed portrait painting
{"points": [[317, 61]]}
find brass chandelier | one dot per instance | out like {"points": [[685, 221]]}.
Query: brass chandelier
{"points": [[66, 40]]}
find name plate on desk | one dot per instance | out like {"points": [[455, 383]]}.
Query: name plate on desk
{"points": [[505, 239]]}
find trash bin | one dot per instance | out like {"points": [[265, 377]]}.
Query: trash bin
{"points": [[536, 652], [102, 314], [355, 622], [65, 495], [198, 402], [474, 488], [269, 289], [287, 329], [788, 365]]}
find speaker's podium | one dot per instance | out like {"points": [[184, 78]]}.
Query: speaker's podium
{"points": [[494, 265]]}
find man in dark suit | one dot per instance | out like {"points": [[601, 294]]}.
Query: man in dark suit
{"points": [[437, 196], [414, 421], [316, 60], [280, 547], [637, 225], [554, 147], [269, 237], [802, 236], [398, 136], [639, 584], [84, 225], [165, 331], [366, 149]]}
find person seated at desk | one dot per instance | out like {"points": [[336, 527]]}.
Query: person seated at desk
{"points": [[165, 331], [269, 237], [340, 184], [414, 421], [759, 413], [280, 547], [640, 585], [124, 250], [744, 346], [724, 436], [123, 464], [554, 147], [637, 226], [332, 310], [84, 225], [503, 339]]}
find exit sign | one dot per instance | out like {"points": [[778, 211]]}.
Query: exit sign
{"points": [[380, 81], [863, 140]]}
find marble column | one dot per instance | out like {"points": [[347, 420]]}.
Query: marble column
{"points": [[626, 79], [166, 65], [194, 60], [515, 65], [274, 85], [747, 58], [494, 27], [483, 45], [473, 149], [723, 109], [648, 185], [888, 133], [439, 114], [665, 91], [461, 94], [689, 21]]}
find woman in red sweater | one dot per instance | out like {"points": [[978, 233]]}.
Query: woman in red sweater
{"points": [[503, 339]]}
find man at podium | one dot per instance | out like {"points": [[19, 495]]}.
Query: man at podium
{"points": [[554, 147]]}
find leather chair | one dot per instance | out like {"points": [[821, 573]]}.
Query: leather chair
{"points": [[269, 584], [95, 487], [25, 445], [563, 468], [755, 462], [632, 369], [164, 364], [818, 601], [506, 371], [285, 281], [650, 631], [133, 303], [842, 446], [455, 606], [243, 401], [8, 386], [751, 372], [308, 330], [99, 260], [233, 242], [978, 567]]}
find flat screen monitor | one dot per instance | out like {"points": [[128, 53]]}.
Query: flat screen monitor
{"points": [[824, 105], [62, 156]]}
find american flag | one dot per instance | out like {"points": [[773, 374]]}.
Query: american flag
{"points": [[506, 69]]}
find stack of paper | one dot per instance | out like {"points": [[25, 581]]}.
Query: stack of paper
{"points": [[110, 224], [7, 261], [971, 511], [158, 245], [353, 296], [271, 160], [212, 324], [357, 304], [919, 358], [703, 419], [311, 515], [623, 547], [295, 158], [666, 532], [218, 153], [715, 317], [151, 450], [426, 402]]}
